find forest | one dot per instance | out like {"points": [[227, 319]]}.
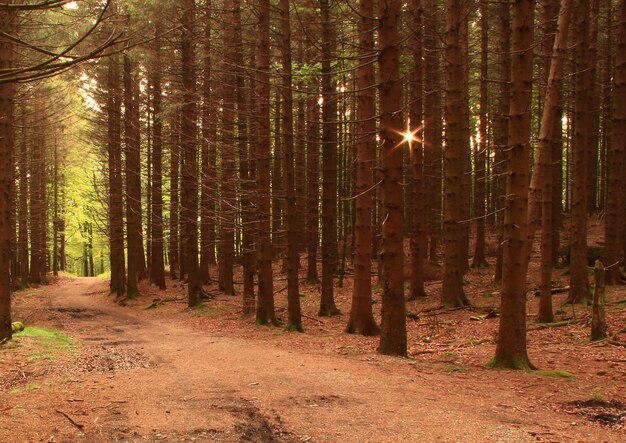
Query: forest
{"points": [[379, 175]]}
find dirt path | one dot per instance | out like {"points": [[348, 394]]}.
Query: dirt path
{"points": [[151, 380]]}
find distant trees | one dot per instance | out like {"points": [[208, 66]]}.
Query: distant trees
{"points": [[237, 137]]}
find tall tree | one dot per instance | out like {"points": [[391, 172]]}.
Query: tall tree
{"points": [[579, 281], [116, 226], [361, 318], [416, 151], [452, 293], [7, 94], [511, 348], [541, 189], [614, 227], [132, 169], [329, 175], [393, 339], [265, 302], [189, 148], [480, 176], [293, 258], [157, 266]]}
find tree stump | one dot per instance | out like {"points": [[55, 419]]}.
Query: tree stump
{"points": [[598, 320]]}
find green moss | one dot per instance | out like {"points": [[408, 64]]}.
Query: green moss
{"points": [[554, 373], [203, 310], [452, 368], [48, 342], [559, 324], [29, 387], [516, 363], [293, 328]]}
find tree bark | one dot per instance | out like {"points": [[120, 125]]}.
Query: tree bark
{"points": [[511, 349], [616, 202], [189, 200], [329, 175], [393, 339], [416, 151], [579, 281], [265, 303], [157, 265], [7, 94], [361, 319], [452, 293]]}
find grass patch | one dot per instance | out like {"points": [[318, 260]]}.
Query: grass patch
{"points": [[47, 343], [452, 368], [554, 373], [29, 387], [203, 310]]}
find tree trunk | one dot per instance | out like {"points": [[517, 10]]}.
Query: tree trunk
{"points": [[293, 259], [501, 129], [329, 176], [227, 179], [208, 175], [175, 151], [511, 347], [313, 189], [432, 134], [452, 293], [157, 265], [616, 202], [361, 318], [416, 150], [480, 166], [541, 188], [7, 94], [133, 183], [22, 242], [579, 282], [189, 148], [393, 339], [116, 212], [265, 303]]}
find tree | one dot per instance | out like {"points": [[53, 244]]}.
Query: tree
{"points": [[293, 259], [114, 151], [480, 181], [579, 281], [361, 318], [7, 94], [329, 174], [265, 302], [393, 340], [189, 148], [132, 175], [614, 226], [452, 293], [511, 349], [157, 266], [416, 151], [541, 189]]}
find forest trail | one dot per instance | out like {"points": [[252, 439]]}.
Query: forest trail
{"points": [[139, 379]]}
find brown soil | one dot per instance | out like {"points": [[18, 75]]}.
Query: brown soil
{"points": [[208, 375]]}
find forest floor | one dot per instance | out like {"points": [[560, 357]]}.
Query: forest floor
{"points": [[101, 372]]}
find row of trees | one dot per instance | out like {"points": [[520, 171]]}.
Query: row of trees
{"points": [[242, 132]]}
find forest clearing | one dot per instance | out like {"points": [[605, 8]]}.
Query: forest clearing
{"points": [[312, 220]]}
